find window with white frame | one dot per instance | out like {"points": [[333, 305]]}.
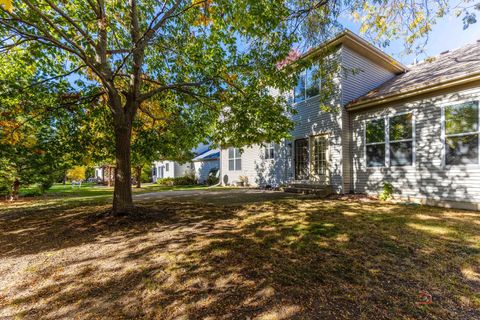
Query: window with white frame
{"points": [[308, 85], [167, 167], [270, 151], [390, 141], [401, 139], [375, 143], [234, 159], [462, 133]]}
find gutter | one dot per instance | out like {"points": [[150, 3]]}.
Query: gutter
{"points": [[414, 92], [353, 41]]}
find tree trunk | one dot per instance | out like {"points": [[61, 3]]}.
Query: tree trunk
{"points": [[122, 192], [15, 189], [138, 176], [109, 179]]}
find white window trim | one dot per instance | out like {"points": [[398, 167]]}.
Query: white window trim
{"points": [[444, 135], [266, 151], [413, 139], [237, 155], [365, 122], [386, 142]]}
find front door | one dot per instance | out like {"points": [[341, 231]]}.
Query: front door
{"points": [[319, 158], [301, 159]]}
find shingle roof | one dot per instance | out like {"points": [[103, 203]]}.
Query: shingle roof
{"points": [[207, 155], [446, 67]]}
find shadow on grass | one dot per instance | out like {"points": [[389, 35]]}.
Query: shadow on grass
{"points": [[288, 259]]}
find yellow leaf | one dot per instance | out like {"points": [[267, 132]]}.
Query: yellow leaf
{"points": [[7, 5]]}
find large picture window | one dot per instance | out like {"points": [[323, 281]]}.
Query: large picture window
{"points": [[234, 159], [375, 143], [462, 133], [390, 141], [308, 85]]}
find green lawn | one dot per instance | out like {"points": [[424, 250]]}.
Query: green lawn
{"points": [[286, 258], [92, 189]]}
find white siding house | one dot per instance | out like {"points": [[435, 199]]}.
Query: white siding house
{"points": [[169, 169]]}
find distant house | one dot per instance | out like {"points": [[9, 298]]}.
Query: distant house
{"points": [[203, 164], [416, 128], [205, 160], [169, 169]]}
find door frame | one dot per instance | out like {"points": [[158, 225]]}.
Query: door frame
{"points": [[295, 159], [321, 178]]}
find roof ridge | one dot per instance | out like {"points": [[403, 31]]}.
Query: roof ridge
{"points": [[432, 58]]}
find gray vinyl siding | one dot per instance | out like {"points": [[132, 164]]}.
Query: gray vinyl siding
{"points": [[258, 170], [311, 120], [360, 75], [428, 178]]}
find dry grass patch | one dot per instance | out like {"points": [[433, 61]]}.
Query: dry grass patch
{"points": [[286, 259]]}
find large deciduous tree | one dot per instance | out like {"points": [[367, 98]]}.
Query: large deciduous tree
{"points": [[218, 56]]}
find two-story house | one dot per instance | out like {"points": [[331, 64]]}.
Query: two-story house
{"points": [[416, 128]]}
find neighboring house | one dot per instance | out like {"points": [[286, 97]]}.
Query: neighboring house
{"points": [[205, 160], [205, 163], [169, 169], [417, 128]]}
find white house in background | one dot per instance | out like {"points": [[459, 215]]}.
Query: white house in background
{"points": [[205, 163], [205, 160], [416, 128], [169, 169]]}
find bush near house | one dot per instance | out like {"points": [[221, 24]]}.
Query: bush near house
{"points": [[212, 177], [165, 181], [178, 181]]}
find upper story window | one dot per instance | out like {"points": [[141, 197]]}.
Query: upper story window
{"points": [[462, 133], [234, 159], [167, 167], [390, 141], [308, 85], [270, 151]]}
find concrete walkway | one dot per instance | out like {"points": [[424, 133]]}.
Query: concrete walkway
{"points": [[219, 196]]}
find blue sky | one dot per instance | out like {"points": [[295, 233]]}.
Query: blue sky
{"points": [[447, 34]]}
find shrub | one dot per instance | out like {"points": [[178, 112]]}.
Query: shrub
{"points": [[4, 190], [165, 181], [212, 177], [184, 181], [45, 185], [387, 191]]}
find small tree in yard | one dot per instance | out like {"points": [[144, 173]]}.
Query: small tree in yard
{"points": [[76, 173], [32, 149], [208, 62]]}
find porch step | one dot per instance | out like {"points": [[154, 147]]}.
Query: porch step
{"points": [[319, 190]]}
